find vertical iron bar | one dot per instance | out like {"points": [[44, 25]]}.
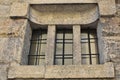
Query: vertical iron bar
{"points": [[38, 48], [72, 46], [63, 46], [39, 51], [89, 46], [55, 47]]}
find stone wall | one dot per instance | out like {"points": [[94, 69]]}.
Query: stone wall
{"points": [[111, 39], [15, 32], [11, 38]]}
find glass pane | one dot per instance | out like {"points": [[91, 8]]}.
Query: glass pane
{"points": [[32, 60], [68, 35], [68, 61], [63, 46], [43, 49], [41, 60], [94, 59], [43, 42], [84, 35], [58, 61], [69, 41], [44, 36], [33, 50], [59, 48], [84, 48], [85, 59], [93, 46], [34, 36], [93, 34], [59, 35], [68, 49], [38, 47], [60, 41]]}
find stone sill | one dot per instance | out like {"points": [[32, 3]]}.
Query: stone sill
{"points": [[70, 71]]}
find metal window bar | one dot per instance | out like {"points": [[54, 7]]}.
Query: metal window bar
{"points": [[35, 57], [90, 54], [63, 56]]}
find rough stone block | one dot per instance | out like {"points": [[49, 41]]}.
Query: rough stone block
{"points": [[4, 10], [3, 72], [107, 7], [64, 14], [80, 71], [26, 72], [12, 36], [12, 28], [10, 50], [19, 10]]}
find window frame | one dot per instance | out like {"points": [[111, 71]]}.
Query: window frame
{"points": [[63, 55], [39, 42], [88, 31]]}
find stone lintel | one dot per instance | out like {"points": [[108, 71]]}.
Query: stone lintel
{"points": [[19, 10], [76, 45]]}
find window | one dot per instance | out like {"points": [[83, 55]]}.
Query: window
{"points": [[89, 46], [64, 47], [38, 46]]}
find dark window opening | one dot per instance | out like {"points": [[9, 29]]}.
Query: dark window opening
{"points": [[63, 47], [38, 47], [89, 46]]}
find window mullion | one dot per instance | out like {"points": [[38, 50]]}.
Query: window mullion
{"points": [[39, 54], [76, 44], [50, 45]]}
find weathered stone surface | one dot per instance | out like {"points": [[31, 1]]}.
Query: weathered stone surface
{"points": [[80, 71], [12, 28], [15, 35], [19, 10], [10, 50], [107, 7], [111, 26], [12, 37], [62, 79], [60, 1], [26, 44], [70, 71], [64, 14], [51, 45], [26, 72], [76, 45], [4, 10], [3, 71], [8, 2], [118, 10], [111, 49]]}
